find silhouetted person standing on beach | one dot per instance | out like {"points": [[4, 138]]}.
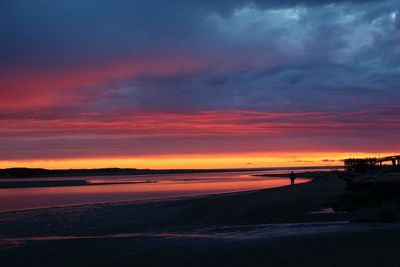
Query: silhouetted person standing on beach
{"points": [[292, 178]]}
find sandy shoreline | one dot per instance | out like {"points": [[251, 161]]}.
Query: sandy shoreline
{"points": [[278, 227]]}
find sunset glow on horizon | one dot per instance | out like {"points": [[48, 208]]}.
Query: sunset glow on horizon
{"points": [[195, 161]]}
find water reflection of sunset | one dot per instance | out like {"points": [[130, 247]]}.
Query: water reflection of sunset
{"points": [[126, 188]]}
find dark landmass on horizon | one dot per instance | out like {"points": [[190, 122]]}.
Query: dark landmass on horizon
{"points": [[40, 172]]}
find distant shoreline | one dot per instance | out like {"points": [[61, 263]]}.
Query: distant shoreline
{"points": [[307, 174], [40, 172]]}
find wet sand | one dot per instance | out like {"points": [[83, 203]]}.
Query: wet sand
{"points": [[287, 226]]}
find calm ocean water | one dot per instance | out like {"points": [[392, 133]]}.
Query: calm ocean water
{"points": [[136, 188]]}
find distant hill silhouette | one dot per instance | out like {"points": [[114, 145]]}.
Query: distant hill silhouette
{"points": [[39, 172]]}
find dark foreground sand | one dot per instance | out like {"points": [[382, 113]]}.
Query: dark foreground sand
{"points": [[274, 227]]}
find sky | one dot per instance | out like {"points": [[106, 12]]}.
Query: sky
{"points": [[197, 83]]}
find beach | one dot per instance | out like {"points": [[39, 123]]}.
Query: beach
{"points": [[192, 133], [285, 226]]}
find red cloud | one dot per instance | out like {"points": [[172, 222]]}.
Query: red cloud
{"points": [[34, 88]]}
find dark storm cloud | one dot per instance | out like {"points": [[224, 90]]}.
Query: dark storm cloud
{"points": [[264, 55], [287, 89], [59, 33], [319, 58]]}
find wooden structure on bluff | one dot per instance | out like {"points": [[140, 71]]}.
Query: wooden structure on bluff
{"points": [[361, 165]]}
